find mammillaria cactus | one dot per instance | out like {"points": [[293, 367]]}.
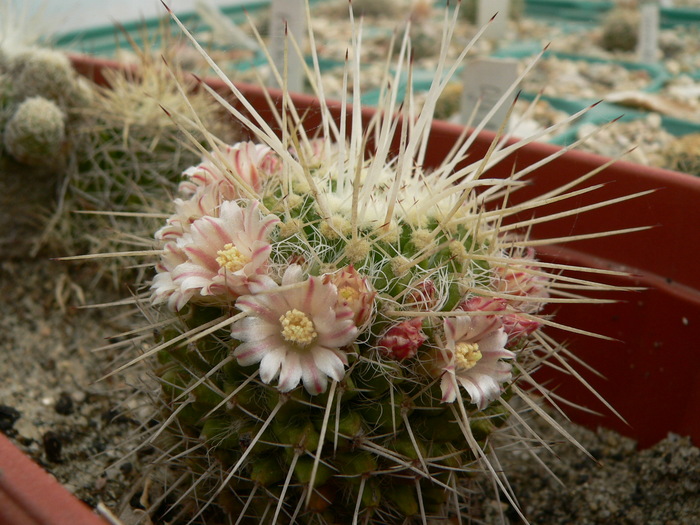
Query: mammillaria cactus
{"points": [[683, 154], [36, 132], [621, 29], [47, 73], [340, 328]]}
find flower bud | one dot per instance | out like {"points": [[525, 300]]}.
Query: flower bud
{"points": [[403, 340], [355, 292]]}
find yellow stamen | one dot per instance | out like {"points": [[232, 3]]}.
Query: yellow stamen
{"points": [[231, 258], [467, 355], [348, 294], [297, 328]]}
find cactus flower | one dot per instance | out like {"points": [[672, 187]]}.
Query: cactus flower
{"points": [[472, 357], [355, 292], [246, 164], [296, 332], [223, 255]]}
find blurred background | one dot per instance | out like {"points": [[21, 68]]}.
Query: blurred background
{"points": [[79, 14]]}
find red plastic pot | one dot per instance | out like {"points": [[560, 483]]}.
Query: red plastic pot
{"points": [[651, 371], [29, 496]]}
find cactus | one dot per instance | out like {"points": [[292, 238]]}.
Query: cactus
{"points": [[47, 73], [683, 154], [449, 102], [621, 29], [388, 8], [469, 10], [36, 132], [338, 334], [130, 148]]}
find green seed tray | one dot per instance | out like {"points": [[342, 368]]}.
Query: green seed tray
{"points": [[592, 13], [568, 14]]}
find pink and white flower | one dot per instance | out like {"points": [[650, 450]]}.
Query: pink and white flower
{"points": [[245, 164], [205, 201], [218, 259], [472, 357], [163, 288], [296, 333]]}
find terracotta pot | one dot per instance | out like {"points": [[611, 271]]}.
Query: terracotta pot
{"points": [[29, 496], [650, 371]]}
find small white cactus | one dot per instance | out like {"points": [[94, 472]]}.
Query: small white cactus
{"points": [[36, 132]]}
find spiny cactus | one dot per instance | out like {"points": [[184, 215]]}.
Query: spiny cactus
{"points": [[449, 102], [36, 132], [39, 93], [339, 330], [131, 146], [47, 73], [621, 29], [469, 9], [683, 154]]}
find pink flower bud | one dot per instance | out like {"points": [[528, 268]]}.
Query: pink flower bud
{"points": [[403, 340], [354, 292], [423, 296]]}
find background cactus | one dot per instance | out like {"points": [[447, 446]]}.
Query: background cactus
{"points": [[131, 146], [683, 154], [621, 29], [469, 10], [36, 132]]}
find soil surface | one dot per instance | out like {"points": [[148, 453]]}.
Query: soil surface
{"points": [[55, 409]]}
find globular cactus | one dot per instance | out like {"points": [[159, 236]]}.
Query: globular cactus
{"points": [[621, 29], [355, 363], [449, 102], [683, 154], [387, 8], [47, 73], [35, 134], [339, 327], [469, 10]]}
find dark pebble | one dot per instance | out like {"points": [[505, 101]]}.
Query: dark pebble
{"points": [[64, 405], [8, 417], [52, 447]]}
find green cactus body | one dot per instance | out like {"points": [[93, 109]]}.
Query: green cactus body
{"points": [[380, 443], [46, 73]]}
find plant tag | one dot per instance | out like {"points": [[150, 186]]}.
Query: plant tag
{"points": [[291, 13], [485, 11], [484, 82], [648, 41]]}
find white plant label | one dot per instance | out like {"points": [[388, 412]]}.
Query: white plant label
{"points": [[292, 14], [485, 11], [484, 83], [648, 41]]}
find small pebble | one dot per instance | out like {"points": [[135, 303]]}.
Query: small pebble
{"points": [[8, 416], [52, 447], [64, 405]]}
